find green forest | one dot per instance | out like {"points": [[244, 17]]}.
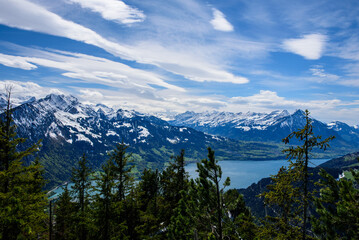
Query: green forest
{"points": [[113, 204]]}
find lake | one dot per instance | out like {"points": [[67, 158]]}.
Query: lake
{"points": [[244, 173]]}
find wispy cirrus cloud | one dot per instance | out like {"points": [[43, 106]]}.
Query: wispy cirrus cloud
{"points": [[36, 18], [220, 23], [16, 62], [92, 69], [113, 10], [310, 46], [319, 72]]}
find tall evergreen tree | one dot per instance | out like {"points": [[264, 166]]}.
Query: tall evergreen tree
{"points": [[302, 155], [121, 170], [174, 179], [22, 201], [103, 204], [65, 217], [119, 164], [337, 207], [211, 195], [148, 198], [289, 194], [80, 190]]}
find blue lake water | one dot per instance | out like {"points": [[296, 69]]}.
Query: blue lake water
{"points": [[244, 173]]}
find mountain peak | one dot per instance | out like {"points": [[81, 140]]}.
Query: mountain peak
{"points": [[299, 112], [59, 101]]}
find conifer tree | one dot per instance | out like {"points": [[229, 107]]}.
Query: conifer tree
{"points": [[181, 224], [174, 179], [103, 204], [121, 170], [283, 197], [238, 223], [80, 190], [123, 184], [211, 195], [289, 194], [337, 207], [302, 155], [22, 201], [65, 217], [148, 198]]}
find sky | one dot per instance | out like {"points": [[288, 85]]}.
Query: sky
{"points": [[168, 57]]}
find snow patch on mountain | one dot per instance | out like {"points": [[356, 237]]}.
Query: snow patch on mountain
{"points": [[81, 137]]}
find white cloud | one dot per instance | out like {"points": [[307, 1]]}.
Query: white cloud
{"points": [[266, 99], [320, 74], [188, 64], [113, 10], [24, 89], [16, 62], [91, 95], [96, 70], [310, 46], [219, 21]]}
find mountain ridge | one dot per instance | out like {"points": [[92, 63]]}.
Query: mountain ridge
{"points": [[69, 128]]}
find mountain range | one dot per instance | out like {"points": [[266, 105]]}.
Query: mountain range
{"points": [[69, 128], [263, 127]]}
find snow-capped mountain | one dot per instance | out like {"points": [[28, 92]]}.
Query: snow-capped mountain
{"points": [[69, 129], [264, 127]]}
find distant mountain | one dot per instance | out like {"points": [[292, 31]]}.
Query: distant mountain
{"points": [[272, 127], [69, 128]]}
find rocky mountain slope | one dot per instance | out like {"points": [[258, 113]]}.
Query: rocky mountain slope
{"points": [[69, 128]]}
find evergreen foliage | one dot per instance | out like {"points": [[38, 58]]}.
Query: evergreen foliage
{"points": [[337, 207], [22, 201], [81, 192], [289, 194]]}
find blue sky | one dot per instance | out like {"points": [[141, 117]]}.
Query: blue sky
{"points": [[178, 55]]}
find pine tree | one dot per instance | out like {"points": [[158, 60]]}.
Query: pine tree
{"points": [[22, 201], [181, 224], [121, 170], [80, 191], [174, 179], [289, 194], [211, 195], [302, 156], [337, 207], [284, 198], [238, 223], [123, 184], [148, 198], [103, 204], [65, 217]]}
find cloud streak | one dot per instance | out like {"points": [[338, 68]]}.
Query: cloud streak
{"points": [[16, 62], [36, 18], [113, 10], [92, 69]]}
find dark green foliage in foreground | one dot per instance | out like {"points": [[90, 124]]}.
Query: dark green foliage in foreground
{"points": [[22, 201], [289, 195], [338, 208]]}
